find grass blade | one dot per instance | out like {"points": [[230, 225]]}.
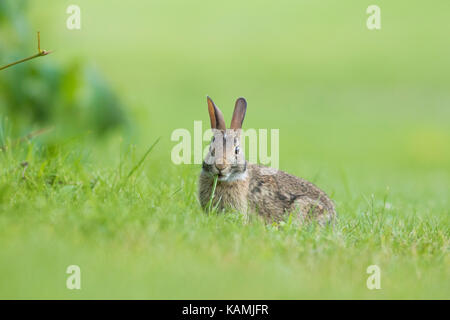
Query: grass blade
{"points": [[142, 159], [212, 193]]}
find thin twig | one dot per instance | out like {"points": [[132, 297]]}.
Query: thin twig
{"points": [[40, 53], [39, 41]]}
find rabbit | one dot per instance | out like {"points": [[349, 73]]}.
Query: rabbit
{"points": [[251, 188]]}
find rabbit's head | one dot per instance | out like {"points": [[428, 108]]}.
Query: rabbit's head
{"points": [[225, 157]]}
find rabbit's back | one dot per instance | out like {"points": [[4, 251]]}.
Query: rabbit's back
{"points": [[273, 193]]}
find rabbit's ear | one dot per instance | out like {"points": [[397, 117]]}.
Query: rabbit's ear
{"points": [[215, 115], [239, 113]]}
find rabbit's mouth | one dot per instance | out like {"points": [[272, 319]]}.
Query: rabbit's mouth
{"points": [[223, 176], [227, 174], [232, 176]]}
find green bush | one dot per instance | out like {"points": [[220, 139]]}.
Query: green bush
{"points": [[40, 93]]}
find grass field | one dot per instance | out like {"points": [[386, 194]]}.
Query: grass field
{"points": [[362, 114]]}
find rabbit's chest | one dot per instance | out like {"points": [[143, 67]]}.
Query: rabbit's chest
{"points": [[231, 196]]}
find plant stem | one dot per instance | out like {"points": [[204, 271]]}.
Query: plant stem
{"points": [[212, 193], [40, 53]]}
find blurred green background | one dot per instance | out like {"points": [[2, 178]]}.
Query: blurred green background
{"points": [[359, 112]]}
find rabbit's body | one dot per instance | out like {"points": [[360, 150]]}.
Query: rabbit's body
{"points": [[251, 188], [272, 196]]}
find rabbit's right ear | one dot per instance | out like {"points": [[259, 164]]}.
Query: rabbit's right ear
{"points": [[239, 114], [215, 115]]}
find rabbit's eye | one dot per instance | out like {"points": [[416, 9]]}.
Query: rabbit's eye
{"points": [[236, 150]]}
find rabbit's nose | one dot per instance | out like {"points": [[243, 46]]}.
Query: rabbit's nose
{"points": [[220, 166]]}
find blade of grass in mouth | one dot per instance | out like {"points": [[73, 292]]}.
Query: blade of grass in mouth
{"points": [[216, 177]]}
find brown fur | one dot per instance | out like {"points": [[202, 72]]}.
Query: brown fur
{"points": [[250, 188], [270, 195]]}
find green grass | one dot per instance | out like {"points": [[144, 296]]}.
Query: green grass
{"points": [[146, 237], [362, 114]]}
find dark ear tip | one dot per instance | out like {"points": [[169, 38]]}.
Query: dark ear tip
{"points": [[242, 99]]}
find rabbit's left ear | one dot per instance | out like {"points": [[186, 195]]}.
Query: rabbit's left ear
{"points": [[215, 115], [239, 114]]}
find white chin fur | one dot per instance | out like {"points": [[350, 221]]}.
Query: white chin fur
{"points": [[230, 177], [234, 177]]}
